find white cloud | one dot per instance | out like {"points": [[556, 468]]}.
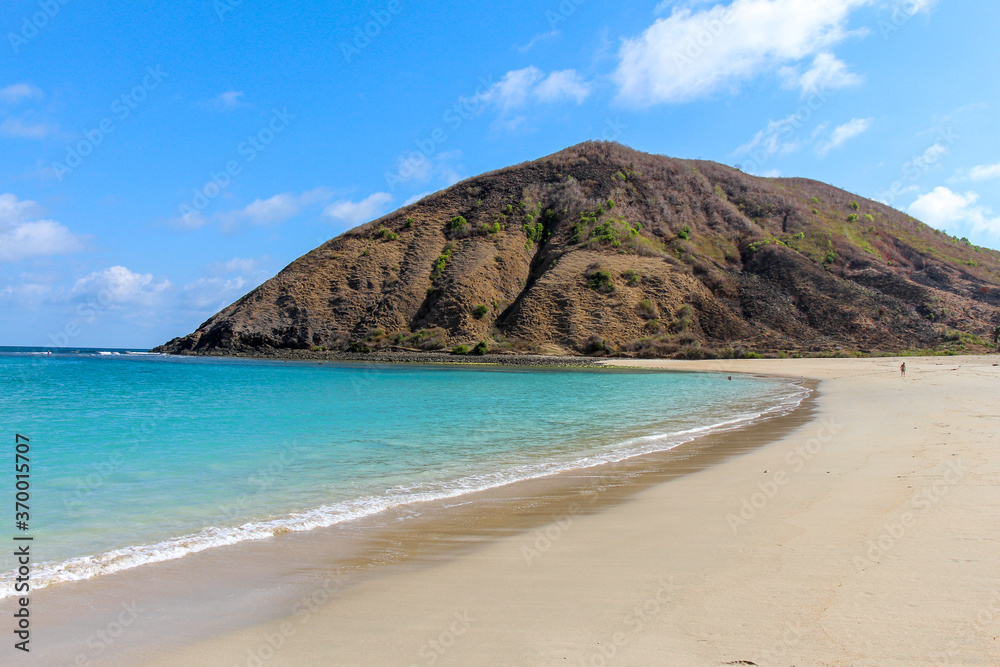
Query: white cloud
{"points": [[13, 210], [19, 91], [912, 7], [27, 295], [913, 170], [819, 129], [692, 54], [354, 213], [984, 172], [933, 153], [536, 39], [941, 206], [417, 167], [260, 212], [415, 198], [238, 265], [24, 236], [510, 123], [33, 290], [513, 90], [36, 239], [944, 209], [118, 285], [17, 128], [519, 87], [227, 101], [843, 133], [774, 139], [781, 137], [188, 221], [564, 84], [268, 211], [448, 167], [413, 166], [215, 292], [892, 194], [224, 282], [827, 72]]}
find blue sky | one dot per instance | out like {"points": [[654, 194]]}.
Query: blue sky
{"points": [[161, 159]]}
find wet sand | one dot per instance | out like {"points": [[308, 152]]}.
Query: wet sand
{"points": [[861, 529]]}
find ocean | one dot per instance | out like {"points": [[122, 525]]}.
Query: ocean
{"points": [[137, 458]]}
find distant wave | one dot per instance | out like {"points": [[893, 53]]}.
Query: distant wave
{"points": [[86, 567], [74, 351]]}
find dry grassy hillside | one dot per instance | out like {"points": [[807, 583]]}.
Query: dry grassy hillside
{"points": [[601, 249]]}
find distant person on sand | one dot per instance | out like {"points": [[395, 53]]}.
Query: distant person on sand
{"points": [[902, 370]]}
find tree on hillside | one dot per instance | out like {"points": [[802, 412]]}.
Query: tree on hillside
{"points": [[996, 338]]}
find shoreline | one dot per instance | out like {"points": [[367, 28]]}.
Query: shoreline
{"points": [[508, 508], [404, 356], [623, 446], [661, 574], [819, 575]]}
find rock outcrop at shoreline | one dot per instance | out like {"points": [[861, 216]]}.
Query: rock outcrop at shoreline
{"points": [[600, 249]]}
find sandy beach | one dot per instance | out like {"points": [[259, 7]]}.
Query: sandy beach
{"points": [[866, 536], [859, 530]]}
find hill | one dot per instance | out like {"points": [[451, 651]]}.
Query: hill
{"points": [[601, 249]]}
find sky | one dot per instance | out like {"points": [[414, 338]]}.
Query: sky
{"points": [[158, 160]]}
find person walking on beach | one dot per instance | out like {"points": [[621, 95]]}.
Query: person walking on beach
{"points": [[902, 370]]}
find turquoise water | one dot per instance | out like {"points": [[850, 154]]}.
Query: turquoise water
{"points": [[138, 458]]}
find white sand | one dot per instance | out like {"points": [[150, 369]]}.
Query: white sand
{"points": [[874, 541]]}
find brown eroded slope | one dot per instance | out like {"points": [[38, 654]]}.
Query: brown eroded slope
{"points": [[603, 249]]}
